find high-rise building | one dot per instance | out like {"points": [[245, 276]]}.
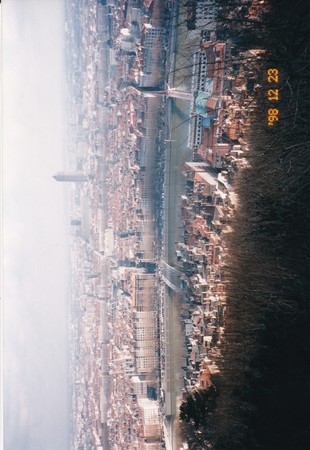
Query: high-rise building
{"points": [[150, 419], [75, 176]]}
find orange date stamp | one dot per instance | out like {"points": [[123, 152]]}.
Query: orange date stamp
{"points": [[273, 95]]}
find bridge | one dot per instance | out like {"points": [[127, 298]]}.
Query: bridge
{"points": [[156, 91], [171, 276]]}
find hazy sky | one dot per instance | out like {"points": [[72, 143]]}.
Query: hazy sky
{"points": [[35, 304]]}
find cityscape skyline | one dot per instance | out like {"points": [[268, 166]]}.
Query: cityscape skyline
{"points": [[152, 294]]}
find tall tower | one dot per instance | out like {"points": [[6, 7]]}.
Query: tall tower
{"points": [[76, 176]]}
